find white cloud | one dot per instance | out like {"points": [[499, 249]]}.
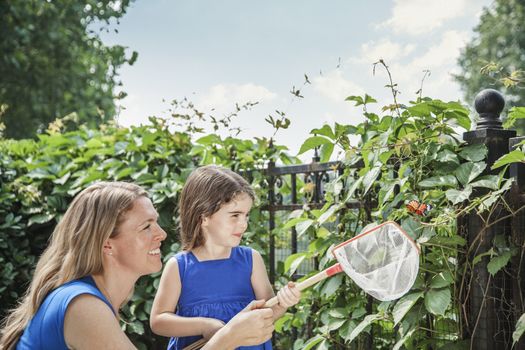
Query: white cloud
{"points": [[445, 52], [390, 51], [440, 59], [334, 86], [417, 17], [224, 96]]}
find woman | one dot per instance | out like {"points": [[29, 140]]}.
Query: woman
{"points": [[106, 240]]}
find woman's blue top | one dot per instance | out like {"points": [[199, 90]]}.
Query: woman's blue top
{"points": [[46, 328], [216, 289]]}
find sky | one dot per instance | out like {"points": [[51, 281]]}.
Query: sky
{"points": [[219, 53]]}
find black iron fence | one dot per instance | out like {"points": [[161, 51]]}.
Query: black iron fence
{"points": [[490, 305]]}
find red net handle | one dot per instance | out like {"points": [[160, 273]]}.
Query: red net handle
{"points": [[332, 270]]}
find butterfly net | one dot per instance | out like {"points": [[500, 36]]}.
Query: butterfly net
{"points": [[383, 261]]}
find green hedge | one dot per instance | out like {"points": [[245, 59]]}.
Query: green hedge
{"points": [[39, 178]]}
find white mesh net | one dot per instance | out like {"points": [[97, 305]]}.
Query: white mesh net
{"points": [[384, 261]]}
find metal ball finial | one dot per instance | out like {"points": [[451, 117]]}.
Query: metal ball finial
{"points": [[489, 104]]}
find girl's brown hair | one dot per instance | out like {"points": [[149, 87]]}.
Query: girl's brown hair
{"points": [[75, 248], [206, 190]]}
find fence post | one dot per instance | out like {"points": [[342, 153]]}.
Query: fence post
{"points": [[271, 212], [486, 320]]}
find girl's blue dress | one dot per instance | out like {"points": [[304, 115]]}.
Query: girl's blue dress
{"points": [[214, 288]]}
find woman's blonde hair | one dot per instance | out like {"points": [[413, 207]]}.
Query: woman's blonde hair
{"points": [[205, 191], [75, 248]]}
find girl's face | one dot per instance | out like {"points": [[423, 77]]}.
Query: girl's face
{"points": [[136, 247], [226, 226]]}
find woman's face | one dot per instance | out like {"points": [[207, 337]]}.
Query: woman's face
{"points": [[136, 247]]}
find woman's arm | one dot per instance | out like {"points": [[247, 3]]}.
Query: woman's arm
{"points": [[89, 323], [251, 326], [163, 320], [288, 295]]}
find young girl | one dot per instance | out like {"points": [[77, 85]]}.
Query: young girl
{"points": [[214, 278]]}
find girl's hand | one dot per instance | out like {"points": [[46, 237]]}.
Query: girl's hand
{"points": [[211, 326], [289, 295]]}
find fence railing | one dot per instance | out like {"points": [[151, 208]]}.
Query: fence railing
{"points": [[315, 175]]}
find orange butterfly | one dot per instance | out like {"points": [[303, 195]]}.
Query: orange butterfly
{"points": [[418, 208]]}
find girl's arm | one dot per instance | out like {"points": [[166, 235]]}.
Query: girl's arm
{"points": [[288, 296], [164, 321]]}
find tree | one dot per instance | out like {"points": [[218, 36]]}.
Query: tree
{"points": [[495, 56], [53, 63]]}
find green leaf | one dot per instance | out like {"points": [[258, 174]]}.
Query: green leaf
{"points": [[351, 191], [442, 279], [324, 345], [326, 130], [209, 140], [448, 241], [420, 109], [514, 114], [447, 156], [40, 219], [412, 227], [520, 328], [369, 99], [402, 341], [312, 342], [279, 324], [370, 178], [361, 326], [439, 181], [341, 130], [474, 153], [498, 262], [293, 261], [331, 285], [357, 99], [335, 323], [456, 196], [385, 156], [312, 142], [437, 300], [467, 172], [94, 143], [322, 232], [478, 257], [302, 226], [326, 152], [328, 213], [404, 305], [339, 312], [124, 172], [346, 329], [291, 223], [461, 117], [386, 192], [512, 157], [487, 181], [137, 327], [428, 233]]}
